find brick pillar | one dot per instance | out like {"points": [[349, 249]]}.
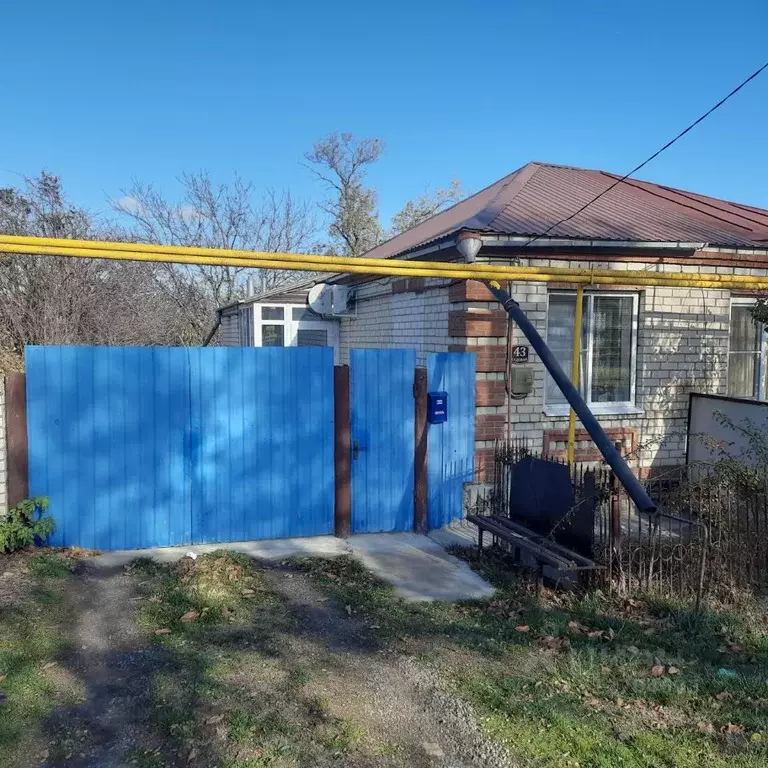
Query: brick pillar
{"points": [[477, 324]]}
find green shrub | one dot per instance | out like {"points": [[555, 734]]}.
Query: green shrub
{"points": [[25, 523]]}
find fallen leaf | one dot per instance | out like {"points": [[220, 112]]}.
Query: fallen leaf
{"points": [[705, 728], [192, 755], [619, 702], [649, 631], [609, 634], [247, 592], [673, 671], [733, 648], [322, 600], [49, 665], [522, 628], [164, 631], [633, 649], [724, 695], [189, 616], [732, 728], [348, 608], [578, 628], [657, 670], [593, 702], [154, 600], [213, 719], [595, 634], [2, 677], [555, 643], [226, 612]]}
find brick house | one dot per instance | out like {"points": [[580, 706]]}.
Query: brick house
{"points": [[644, 349]]}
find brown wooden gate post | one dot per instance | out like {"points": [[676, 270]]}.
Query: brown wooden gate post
{"points": [[16, 434], [342, 448], [420, 520]]}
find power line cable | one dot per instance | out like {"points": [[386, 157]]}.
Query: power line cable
{"points": [[648, 159]]}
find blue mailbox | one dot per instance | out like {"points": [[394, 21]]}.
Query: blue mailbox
{"points": [[437, 407]]}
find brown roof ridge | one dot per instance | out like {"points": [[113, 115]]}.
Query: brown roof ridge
{"points": [[515, 183]]}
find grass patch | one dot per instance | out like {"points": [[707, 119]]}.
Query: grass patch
{"points": [[220, 588], [32, 637], [48, 565], [584, 680], [228, 694]]}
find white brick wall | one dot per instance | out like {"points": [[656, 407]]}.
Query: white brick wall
{"points": [[403, 320], [682, 347]]}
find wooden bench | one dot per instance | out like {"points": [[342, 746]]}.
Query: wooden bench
{"points": [[543, 550]]}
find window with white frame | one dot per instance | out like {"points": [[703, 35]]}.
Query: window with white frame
{"points": [[748, 344], [608, 348], [291, 325]]}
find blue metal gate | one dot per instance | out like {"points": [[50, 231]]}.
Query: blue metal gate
{"points": [[382, 439], [141, 447], [451, 445]]}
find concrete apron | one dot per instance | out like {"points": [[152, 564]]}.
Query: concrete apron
{"points": [[417, 567]]}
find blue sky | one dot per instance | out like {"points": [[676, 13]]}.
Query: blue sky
{"points": [[102, 92]]}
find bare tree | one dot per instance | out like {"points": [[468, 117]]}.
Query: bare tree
{"points": [[341, 162], [215, 216], [57, 300], [425, 206]]}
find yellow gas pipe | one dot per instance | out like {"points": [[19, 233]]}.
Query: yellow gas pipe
{"points": [[367, 266]]}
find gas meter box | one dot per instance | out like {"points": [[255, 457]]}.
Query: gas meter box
{"points": [[437, 407]]}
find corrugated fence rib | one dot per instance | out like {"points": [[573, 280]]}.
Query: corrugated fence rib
{"points": [[382, 423], [140, 447], [451, 445]]}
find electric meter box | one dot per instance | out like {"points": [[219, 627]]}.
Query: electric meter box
{"points": [[437, 407], [521, 381]]}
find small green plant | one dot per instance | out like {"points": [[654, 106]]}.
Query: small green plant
{"points": [[25, 524]]}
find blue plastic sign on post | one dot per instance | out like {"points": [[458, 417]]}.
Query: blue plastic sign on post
{"points": [[437, 407]]}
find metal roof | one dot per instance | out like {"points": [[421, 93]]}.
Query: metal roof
{"points": [[530, 200]]}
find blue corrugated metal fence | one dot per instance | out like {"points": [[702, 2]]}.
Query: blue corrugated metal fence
{"points": [[450, 446], [382, 439], [140, 447]]}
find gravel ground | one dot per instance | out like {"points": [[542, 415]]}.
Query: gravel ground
{"points": [[406, 716], [397, 700], [112, 661]]}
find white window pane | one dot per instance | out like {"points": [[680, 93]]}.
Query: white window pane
{"points": [[272, 335], [561, 319], [272, 313], [612, 349], [741, 374], [745, 334], [315, 337]]}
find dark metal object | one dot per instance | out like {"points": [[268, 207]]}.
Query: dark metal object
{"points": [[541, 496], [543, 550], [16, 430], [602, 441], [420, 454], [341, 452]]}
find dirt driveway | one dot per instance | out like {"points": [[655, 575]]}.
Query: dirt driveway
{"points": [[218, 661]]}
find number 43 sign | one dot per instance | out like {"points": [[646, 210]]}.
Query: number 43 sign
{"points": [[519, 353]]}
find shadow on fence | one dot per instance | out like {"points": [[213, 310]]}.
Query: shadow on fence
{"points": [[708, 539]]}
